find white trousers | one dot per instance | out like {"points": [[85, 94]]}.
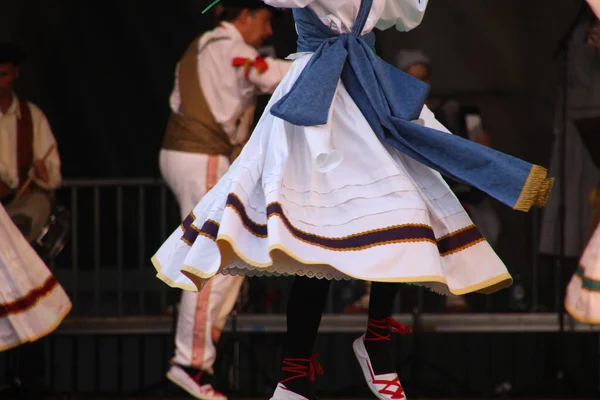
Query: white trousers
{"points": [[202, 315]]}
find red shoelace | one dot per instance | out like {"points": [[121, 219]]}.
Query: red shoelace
{"points": [[302, 367], [397, 393], [389, 325]]}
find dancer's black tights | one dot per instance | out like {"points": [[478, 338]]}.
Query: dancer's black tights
{"points": [[380, 309], [304, 311]]}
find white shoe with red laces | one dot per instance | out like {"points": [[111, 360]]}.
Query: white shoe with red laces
{"points": [[384, 386], [191, 383]]}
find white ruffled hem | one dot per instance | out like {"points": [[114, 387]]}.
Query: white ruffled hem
{"points": [[377, 216]]}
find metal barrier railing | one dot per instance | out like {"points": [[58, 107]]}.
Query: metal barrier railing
{"points": [[115, 226]]}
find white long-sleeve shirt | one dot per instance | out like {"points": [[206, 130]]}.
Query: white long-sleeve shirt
{"points": [[42, 140], [228, 92], [339, 15]]}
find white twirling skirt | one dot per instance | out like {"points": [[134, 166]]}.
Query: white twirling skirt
{"points": [[32, 303], [330, 202], [582, 300]]}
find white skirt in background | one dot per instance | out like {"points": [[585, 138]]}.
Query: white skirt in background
{"points": [[32, 303], [582, 300], [331, 202]]}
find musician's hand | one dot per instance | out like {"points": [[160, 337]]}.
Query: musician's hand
{"points": [[40, 171]]}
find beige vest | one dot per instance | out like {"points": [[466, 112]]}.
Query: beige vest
{"points": [[195, 130]]}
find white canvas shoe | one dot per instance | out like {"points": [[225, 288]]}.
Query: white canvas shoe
{"points": [[384, 386], [192, 385]]}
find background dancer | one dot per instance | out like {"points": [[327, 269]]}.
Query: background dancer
{"points": [[213, 103], [32, 302]]}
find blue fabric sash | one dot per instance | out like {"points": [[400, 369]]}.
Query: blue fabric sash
{"points": [[390, 99]]}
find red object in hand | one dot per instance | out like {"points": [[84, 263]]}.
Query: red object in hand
{"points": [[259, 63]]}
